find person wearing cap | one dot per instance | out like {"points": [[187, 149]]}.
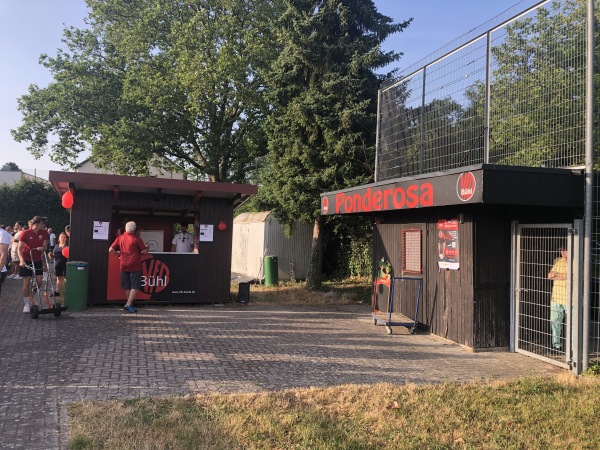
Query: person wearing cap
{"points": [[558, 300], [129, 248], [32, 243]]}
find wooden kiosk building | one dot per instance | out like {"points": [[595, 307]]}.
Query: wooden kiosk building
{"points": [[457, 231], [103, 203]]}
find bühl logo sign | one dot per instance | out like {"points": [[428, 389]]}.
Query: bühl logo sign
{"points": [[465, 186]]}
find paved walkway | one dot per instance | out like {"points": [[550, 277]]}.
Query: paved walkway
{"points": [[104, 353]]}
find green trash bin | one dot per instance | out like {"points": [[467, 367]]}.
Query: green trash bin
{"points": [[271, 271], [76, 288]]}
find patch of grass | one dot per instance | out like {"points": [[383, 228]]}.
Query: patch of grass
{"points": [[593, 370], [344, 292], [530, 413]]}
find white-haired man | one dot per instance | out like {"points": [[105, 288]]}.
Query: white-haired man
{"points": [[129, 248]]}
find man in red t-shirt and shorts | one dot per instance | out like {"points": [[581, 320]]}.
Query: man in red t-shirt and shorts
{"points": [[129, 247], [32, 243]]}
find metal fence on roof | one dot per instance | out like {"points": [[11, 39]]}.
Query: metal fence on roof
{"points": [[514, 95]]}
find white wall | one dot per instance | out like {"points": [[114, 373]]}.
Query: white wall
{"points": [[258, 234], [10, 177], [88, 167], [247, 248]]}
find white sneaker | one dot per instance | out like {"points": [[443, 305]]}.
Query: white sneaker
{"points": [[17, 277], [26, 309], [11, 276]]}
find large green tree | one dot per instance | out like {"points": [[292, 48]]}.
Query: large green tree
{"points": [[27, 198], [324, 94], [174, 84]]}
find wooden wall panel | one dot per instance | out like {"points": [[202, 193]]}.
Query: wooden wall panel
{"points": [[214, 278], [492, 288], [87, 207], [446, 307]]}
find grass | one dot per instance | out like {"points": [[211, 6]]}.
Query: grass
{"points": [[531, 413], [535, 413], [345, 292]]}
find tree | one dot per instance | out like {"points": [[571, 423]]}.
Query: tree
{"points": [[167, 83], [324, 94], [27, 198], [10, 167]]}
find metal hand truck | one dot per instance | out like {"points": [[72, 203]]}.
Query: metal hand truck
{"points": [[385, 315], [40, 302]]}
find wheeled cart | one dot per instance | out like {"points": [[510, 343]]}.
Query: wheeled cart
{"points": [[383, 308], [42, 298]]}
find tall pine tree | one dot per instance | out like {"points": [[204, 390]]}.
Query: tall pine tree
{"points": [[324, 94]]}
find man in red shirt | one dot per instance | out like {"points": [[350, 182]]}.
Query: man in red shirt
{"points": [[32, 243], [129, 247]]}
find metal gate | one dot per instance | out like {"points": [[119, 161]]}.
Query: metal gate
{"points": [[545, 296]]}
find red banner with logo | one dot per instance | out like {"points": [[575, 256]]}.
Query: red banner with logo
{"points": [[165, 276]]}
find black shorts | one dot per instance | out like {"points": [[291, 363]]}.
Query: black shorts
{"points": [[26, 272], [60, 268], [131, 280]]}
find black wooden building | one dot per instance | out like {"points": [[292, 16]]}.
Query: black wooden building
{"points": [[103, 203], [467, 300]]}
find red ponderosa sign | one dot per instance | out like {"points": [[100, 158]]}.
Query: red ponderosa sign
{"points": [[435, 191]]}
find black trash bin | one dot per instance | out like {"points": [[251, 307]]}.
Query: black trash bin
{"points": [[244, 292]]}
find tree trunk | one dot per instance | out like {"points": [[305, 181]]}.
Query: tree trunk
{"points": [[315, 268]]}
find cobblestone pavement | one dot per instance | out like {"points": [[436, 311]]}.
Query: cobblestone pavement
{"points": [[104, 353]]}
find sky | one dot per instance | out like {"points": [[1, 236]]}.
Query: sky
{"points": [[29, 28]]}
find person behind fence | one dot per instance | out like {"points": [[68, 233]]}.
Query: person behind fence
{"points": [[32, 243], [558, 301], [129, 247]]}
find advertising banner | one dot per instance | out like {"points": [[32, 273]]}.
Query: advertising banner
{"points": [[448, 248], [165, 276]]}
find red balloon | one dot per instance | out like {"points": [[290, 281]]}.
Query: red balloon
{"points": [[67, 199], [65, 252]]}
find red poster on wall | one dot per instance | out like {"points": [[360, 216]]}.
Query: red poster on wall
{"points": [[448, 248]]}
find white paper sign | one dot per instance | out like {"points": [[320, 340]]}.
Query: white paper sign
{"points": [[100, 230], [206, 233]]}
